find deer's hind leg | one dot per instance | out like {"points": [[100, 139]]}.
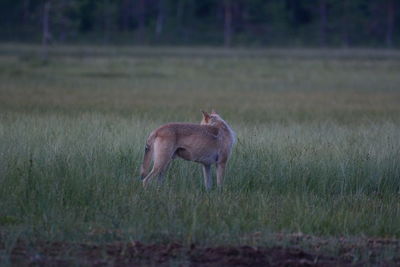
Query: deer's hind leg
{"points": [[163, 153]]}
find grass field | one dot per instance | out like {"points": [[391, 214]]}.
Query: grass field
{"points": [[317, 156]]}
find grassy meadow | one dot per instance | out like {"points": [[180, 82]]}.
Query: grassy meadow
{"points": [[318, 148]]}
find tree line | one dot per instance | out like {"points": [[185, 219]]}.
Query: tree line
{"points": [[322, 23]]}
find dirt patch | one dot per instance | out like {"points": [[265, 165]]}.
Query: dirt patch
{"points": [[250, 256], [136, 253], [300, 250]]}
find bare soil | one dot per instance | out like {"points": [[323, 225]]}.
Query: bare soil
{"points": [[357, 252], [137, 253]]}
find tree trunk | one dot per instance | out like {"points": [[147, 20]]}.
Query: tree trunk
{"points": [[141, 20], [63, 20], [160, 18], [345, 24], [180, 10], [227, 23], [107, 13], [25, 12], [125, 14], [45, 30], [390, 22], [323, 22]]}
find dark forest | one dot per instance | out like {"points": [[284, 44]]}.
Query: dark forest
{"points": [[269, 23]]}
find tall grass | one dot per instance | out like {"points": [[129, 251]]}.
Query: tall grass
{"points": [[73, 178], [318, 149]]}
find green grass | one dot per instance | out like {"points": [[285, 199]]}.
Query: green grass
{"points": [[318, 150]]}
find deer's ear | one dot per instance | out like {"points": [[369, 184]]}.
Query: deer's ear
{"points": [[205, 114]]}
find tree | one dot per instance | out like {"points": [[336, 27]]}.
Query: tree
{"points": [[227, 23], [390, 8], [107, 14], [141, 16], [46, 35], [125, 15], [160, 18], [323, 22], [261, 22], [344, 23]]}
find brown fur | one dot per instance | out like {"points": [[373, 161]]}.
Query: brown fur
{"points": [[209, 142]]}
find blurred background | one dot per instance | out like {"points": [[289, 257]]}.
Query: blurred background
{"points": [[262, 60], [272, 23]]}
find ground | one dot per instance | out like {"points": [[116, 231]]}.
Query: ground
{"points": [[137, 253], [313, 178]]}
